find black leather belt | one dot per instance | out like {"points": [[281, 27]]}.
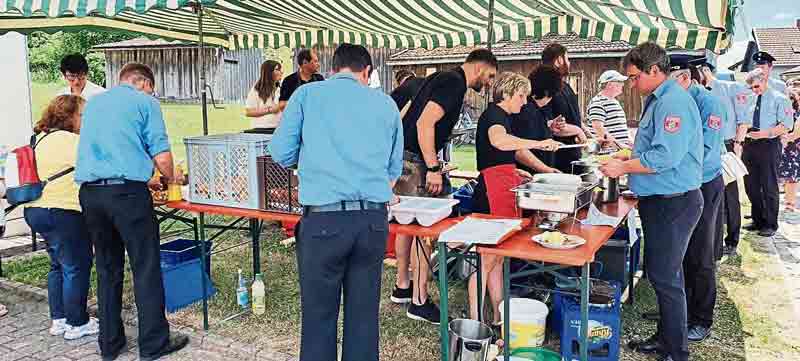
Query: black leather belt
{"points": [[664, 196], [345, 206], [109, 182]]}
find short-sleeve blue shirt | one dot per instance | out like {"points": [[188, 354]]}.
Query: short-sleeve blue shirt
{"points": [[669, 142], [775, 109], [121, 131], [711, 115]]}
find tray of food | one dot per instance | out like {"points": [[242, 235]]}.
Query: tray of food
{"points": [[558, 240]]}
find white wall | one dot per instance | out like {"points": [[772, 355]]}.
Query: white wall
{"points": [[15, 93], [15, 102]]}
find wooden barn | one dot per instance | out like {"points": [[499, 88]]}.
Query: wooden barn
{"points": [[588, 57], [380, 57], [230, 74]]}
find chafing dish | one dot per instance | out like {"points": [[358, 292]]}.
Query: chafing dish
{"points": [[554, 201]]}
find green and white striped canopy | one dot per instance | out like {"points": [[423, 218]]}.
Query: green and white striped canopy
{"points": [[690, 24]]}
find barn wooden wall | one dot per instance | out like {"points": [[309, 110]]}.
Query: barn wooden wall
{"points": [[230, 74], [583, 78], [379, 58]]}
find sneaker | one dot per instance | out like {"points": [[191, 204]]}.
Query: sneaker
{"points": [[402, 296], [89, 328], [58, 327], [427, 312]]}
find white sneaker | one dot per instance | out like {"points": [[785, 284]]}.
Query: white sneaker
{"points": [[58, 327], [76, 332]]}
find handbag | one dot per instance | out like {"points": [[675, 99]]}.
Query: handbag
{"points": [[732, 167]]}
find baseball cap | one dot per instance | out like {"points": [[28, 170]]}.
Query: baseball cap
{"points": [[611, 75]]}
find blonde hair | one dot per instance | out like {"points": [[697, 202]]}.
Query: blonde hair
{"points": [[508, 84]]}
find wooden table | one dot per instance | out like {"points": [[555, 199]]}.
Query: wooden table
{"points": [[256, 217], [543, 260]]}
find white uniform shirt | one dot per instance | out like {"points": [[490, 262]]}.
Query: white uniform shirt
{"points": [[90, 90]]}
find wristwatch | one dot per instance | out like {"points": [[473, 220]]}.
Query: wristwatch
{"points": [[435, 169]]}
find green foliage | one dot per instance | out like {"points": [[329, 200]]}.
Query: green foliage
{"points": [[47, 50]]}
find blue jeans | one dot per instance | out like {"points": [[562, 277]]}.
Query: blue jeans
{"points": [[70, 261]]}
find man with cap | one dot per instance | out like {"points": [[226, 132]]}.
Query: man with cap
{"points": [[772, 116], [699, 263], [665, 172], [606, 118], [733, 96], [763, 60]]}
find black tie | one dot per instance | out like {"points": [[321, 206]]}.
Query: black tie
{"points": [[757, 114]]}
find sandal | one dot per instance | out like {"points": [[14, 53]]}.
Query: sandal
{"points": [[3, 310]]}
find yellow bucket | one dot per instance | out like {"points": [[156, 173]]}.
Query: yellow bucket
{"points": [[528, 321]]}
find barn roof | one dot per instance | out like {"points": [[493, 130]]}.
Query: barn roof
{"points": [[144, 43], [516, 50], [782, 43]]}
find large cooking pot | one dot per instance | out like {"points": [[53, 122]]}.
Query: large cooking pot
{"points": [[469, 340]]}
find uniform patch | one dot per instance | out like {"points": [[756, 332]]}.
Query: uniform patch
{"points": [[672, 124], [741, 98], [714, 122]]}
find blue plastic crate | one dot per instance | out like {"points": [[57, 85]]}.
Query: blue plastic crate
{"points": [[223, 169], [464, 196], [182, 285], [605, 328], [182, 250]]}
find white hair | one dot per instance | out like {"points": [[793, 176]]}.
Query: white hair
{"points": [[755, 75]]}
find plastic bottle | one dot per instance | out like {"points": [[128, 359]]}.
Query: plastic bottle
{"points": [[242, 297], [259, 296]]}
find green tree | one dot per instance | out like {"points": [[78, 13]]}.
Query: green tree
{"points": [[47, 50]]}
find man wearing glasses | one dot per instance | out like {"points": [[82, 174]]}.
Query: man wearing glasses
{"points": [[772, 116], [763, 60], [74, 68], [666, 171]]}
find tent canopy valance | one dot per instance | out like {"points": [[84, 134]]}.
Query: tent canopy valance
{"points": [[690, 24]]}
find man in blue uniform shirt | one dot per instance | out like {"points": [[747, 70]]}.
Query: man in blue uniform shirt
{"points": [[772, 116], [666, 173], [733, 96], [346, 180], [699, 263]]}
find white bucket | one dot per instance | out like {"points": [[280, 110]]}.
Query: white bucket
{"points": [[528, 322]]}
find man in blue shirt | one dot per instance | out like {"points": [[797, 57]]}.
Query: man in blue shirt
{"points": [[772, 116], [733, 96], [699, 263], [763, 60], [665, 172], [347, 141], [122, 138]]}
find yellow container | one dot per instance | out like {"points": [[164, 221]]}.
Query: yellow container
{"points": [[174, 192], [528, 321]]}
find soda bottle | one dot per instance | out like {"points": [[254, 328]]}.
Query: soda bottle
{"points": [[242, 298]]}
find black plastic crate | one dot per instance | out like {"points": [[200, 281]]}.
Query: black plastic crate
{"points": [[280, 187]]}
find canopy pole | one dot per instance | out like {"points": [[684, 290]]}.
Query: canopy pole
{"points": [[490, 26], [201, 50]]}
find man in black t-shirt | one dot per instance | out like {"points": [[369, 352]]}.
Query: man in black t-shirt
{"points": [[565, 103], [308, 63], [407, 87], [427, 126]]}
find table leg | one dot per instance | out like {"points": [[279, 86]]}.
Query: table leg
{"points": [[479, 284], [507, 306], [584, 330], [203, 252], [255, 233], [631, 274], [444, 334]]}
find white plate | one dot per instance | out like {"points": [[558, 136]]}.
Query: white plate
{"points": [[570, 243]]}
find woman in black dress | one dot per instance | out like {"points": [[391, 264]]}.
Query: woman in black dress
{"points": [[496, 148]]}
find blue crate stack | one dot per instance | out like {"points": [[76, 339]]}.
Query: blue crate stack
{"points": [[605, 327]]}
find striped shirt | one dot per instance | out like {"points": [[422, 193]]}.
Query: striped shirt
{"points": [[609, 112]]}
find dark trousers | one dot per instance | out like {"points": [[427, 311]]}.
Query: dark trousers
{"points": [[340, 254], [699, 263], [70, 261], [667, 224], [120, 218], [732, 211], [762, 157]]}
